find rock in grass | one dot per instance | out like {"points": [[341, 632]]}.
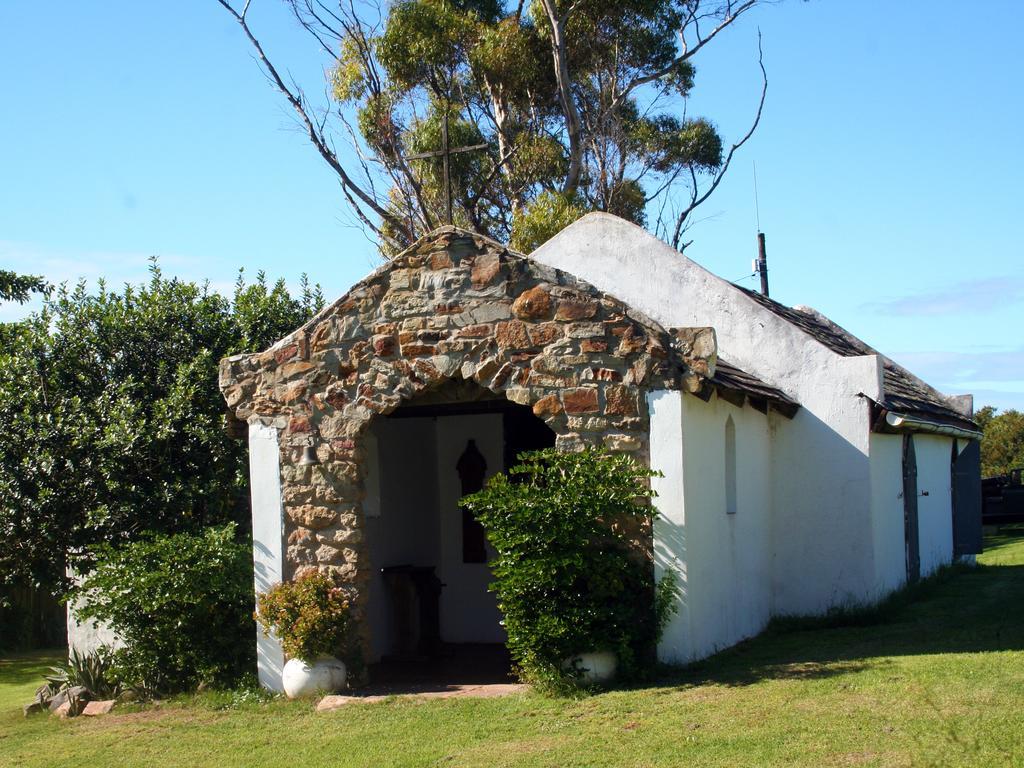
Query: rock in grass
{"points": [[96, 708], [57, 700], [75, 698], [43, 695], [328, 703], [33, 709]]}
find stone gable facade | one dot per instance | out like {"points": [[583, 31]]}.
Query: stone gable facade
{"points": [[454, 306]]}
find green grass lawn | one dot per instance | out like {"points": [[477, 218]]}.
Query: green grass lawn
{"points": [[939, 682]]}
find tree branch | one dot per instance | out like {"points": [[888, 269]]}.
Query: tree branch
{"points": [[348, 185], [731, 15], [572, 117], [696, 200]]}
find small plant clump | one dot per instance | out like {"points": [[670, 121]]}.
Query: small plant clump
{"points": [[95, 672], [573, 571], [311, 616]]}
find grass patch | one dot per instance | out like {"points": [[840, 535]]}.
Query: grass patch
{"points": [[869, 614], [933, 681]]}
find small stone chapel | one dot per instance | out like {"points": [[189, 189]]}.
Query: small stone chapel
{"points": [[792, 453]]}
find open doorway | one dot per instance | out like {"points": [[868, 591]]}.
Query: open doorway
{"points": [[432, 619]]}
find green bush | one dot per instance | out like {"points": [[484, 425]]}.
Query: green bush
{"points": [[112, 421], [182, 604], [311, 616], [571, 573]]}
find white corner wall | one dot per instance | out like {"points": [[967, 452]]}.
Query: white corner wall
{"points": [[722, 561], [671, 538], [934, 507], [267, 540], [86, 637]]}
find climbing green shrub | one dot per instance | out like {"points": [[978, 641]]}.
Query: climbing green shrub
{"points": [[573, 571]]}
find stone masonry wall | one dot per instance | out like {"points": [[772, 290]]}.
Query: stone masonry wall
{"points": [[453, 306]]}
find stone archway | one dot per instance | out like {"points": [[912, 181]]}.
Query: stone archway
{"points": [[429, 608], [454, 306]]}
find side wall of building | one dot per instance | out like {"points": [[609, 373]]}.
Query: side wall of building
{"points": [[85, 637], [721, 559], [821, 483]]}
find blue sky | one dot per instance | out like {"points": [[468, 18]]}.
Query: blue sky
{"points": [[888, 164]]}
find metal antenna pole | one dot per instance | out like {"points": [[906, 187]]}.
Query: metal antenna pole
{"points": [[762, 263], [762, 255], [757, 207]]}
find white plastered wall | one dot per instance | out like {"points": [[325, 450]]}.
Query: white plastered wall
{"points": [[934, 506], [887, 513], [822, 537], [85, 637], [267, 540], [722, 562]]}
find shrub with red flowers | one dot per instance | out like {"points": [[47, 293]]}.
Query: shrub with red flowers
{"points": [[311, 616]]}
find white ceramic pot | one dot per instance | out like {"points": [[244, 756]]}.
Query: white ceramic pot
{"points": [[595, 667], [300, 678]]}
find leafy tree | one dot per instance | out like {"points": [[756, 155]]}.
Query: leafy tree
{"points": [[580, 106], [18, 288], [111, 421], [1002, 446]]}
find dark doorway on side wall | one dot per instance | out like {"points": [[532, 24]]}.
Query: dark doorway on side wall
{"points": [[433, 620]]}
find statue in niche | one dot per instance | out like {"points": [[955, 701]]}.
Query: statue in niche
{"points": [[472, 467]]}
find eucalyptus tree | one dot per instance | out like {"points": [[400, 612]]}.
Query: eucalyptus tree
{"points": [[573, 105]]}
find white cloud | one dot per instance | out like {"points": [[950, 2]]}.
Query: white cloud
{"points": [[994, 376], [970, 296], [982, 366]]}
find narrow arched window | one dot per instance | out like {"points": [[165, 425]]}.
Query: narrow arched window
{"points": [[730, 466]]}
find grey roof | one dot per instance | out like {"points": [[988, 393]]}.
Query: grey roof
{"points": [[903, 392], [742, 386]]}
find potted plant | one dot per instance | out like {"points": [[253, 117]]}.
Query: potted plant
{"points": [[312, 618]]}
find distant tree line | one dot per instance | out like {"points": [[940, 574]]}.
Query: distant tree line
{"points": [[1002, 447]]}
